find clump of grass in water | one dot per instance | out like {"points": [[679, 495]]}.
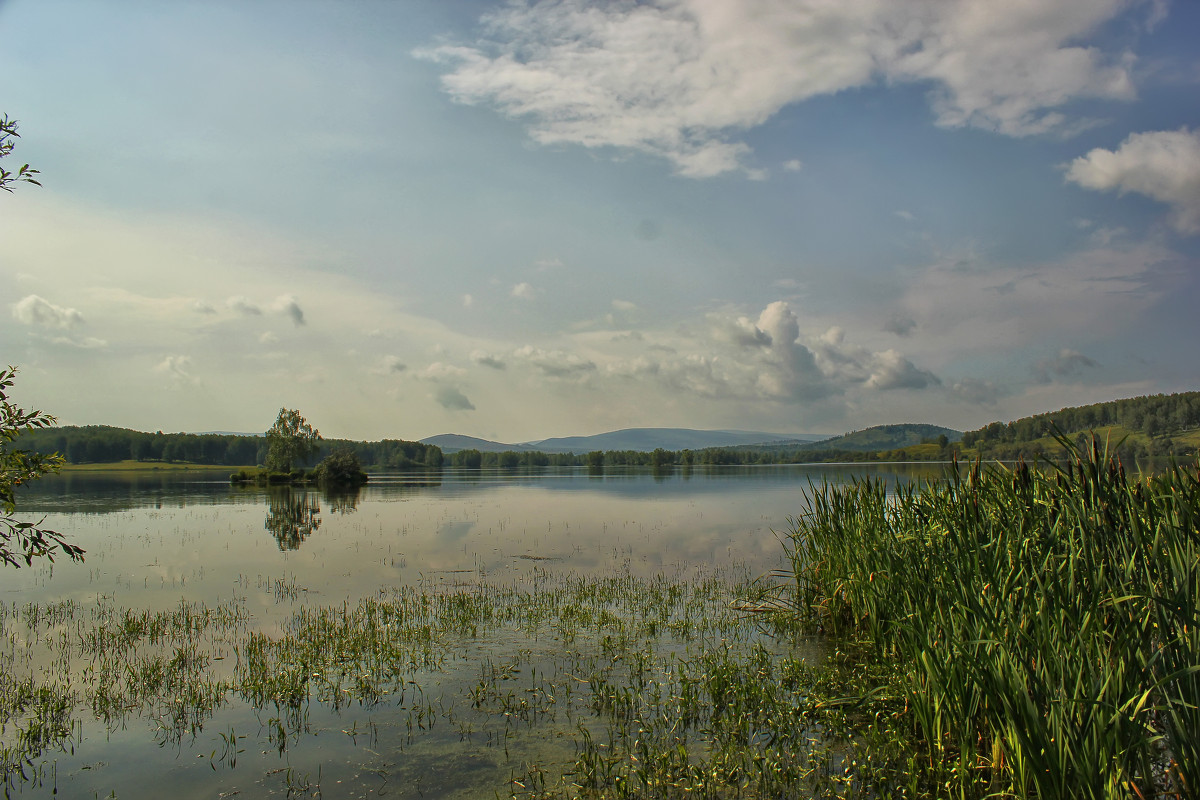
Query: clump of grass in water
{"points": [[1045, 622]]}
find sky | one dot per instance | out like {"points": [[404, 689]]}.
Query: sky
{"points": [[519, 220]]}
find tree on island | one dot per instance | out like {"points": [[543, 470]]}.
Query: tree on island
{"points": [[24, 541], [291, 439]]}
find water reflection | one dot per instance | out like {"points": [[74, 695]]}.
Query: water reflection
{"points": [[292, 516], [343, 501]]}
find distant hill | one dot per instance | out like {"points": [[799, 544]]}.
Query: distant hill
{"points": [[647, 439], [642, 440], [886, 437], [453, 442]]}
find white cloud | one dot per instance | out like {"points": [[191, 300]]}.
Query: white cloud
{"points": [[242, 305], [203, 307], [390, 365], [468, 301], [85, 343], [545, 264], [440, 371], [267, 337], [523, 291], [976, 391], [1163, 165], [178, 367], [555, 363], [680, 79], [793, 165], [900, 324], [288, 305], [1067, 362], [33, 310], [624, 305], [891, 370], [452, 399], [485, 359]]}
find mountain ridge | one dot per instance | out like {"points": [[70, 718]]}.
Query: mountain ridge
{"points": [[638, 439]]}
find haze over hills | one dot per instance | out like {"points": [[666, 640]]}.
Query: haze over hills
{"points": [[639, 439]]}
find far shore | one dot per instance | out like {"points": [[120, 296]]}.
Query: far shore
{"points": [[140, 466]]}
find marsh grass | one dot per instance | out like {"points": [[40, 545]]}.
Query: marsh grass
{"points": [[1042, 623]]}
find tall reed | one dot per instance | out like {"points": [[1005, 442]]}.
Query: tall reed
{"points": [[1045, 621]]}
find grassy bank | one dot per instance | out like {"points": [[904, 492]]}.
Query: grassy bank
{"points": [[1041, 627]]}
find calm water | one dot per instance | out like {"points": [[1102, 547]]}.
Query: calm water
{"points": [[154, 539]]}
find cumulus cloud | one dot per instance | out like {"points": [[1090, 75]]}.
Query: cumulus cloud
{"points": [[1067, 362], [33, 310], [900, 325], [681, 79], [440, 371], [555, 363], [242, 305], [771, 359], [390, 365], [624, 305], [741, 331], [288, 305], [485, 359], [177, 367], [453, 400], [523, 290], [891, 370], [976, 391], [1163, 165], [793, 165]]}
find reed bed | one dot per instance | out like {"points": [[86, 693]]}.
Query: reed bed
{"points": [[1042, 623]]}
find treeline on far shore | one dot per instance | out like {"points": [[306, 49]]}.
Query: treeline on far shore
{"points": [[93, 444], [710, 456]]}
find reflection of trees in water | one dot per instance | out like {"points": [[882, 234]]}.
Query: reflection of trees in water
{"points": [[292, 516], [342, 501]]}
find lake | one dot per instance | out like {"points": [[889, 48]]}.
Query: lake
{"points": [[141, 655]]}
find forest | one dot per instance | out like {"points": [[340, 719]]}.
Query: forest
{"points": [[93, 444]]}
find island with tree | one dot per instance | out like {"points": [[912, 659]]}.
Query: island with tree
{"points": [[291, 443]]}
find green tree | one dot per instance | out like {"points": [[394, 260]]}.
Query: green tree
{"points": [[341, 468], [8, 137], [24, 541], [290, 440]]}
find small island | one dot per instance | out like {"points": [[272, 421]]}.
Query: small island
{"points": [[292, 439]]}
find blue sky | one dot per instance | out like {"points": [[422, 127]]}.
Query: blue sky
{"points": [[522, 220]]}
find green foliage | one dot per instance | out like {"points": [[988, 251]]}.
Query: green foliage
{"points": [[8, 137], [1043, 624], [291, 439], [1152, 425], [340, 468], [24, 541]]}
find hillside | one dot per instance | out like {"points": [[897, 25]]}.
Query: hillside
{"points": [[1151, 425], [886, 437]]}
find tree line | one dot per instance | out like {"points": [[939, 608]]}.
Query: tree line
{"points": [[1157, 418], [91, 444]]}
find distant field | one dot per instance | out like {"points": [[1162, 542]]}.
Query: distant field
{"points": [[130, 466]]}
